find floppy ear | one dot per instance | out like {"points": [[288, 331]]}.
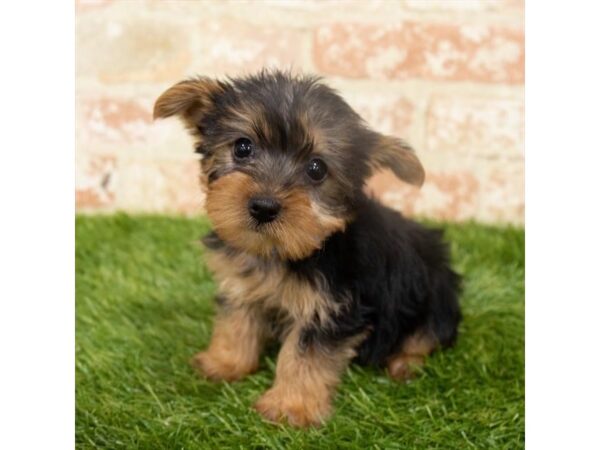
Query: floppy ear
{"points": [[189, 99], [395, 154]]}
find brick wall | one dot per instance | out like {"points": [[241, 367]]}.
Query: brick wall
{"points": [[447, 75]]}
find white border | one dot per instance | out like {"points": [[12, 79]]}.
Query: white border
{"points": [[563, 225], [37, 230]]}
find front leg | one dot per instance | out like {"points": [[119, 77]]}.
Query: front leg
{"points": [[305, 381], [235, 346]]}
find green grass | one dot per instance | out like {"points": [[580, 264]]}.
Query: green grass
{"points": [[144, 307]]}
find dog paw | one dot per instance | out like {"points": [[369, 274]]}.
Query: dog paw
{"points": [[405, 367], [293, 408], [216, 368]]}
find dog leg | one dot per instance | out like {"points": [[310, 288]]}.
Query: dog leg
{"points": [[235, 346], [404, 364], [305, 382]]}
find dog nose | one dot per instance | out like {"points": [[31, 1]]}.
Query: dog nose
{"points": [[264, 209]]}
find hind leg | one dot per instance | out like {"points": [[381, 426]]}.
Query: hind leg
{"points": [[404, 364]]}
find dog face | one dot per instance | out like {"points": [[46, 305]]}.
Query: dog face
{"points": [[283, 158]]}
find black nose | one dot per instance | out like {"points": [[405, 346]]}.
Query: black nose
{"points": [[264, 209]]}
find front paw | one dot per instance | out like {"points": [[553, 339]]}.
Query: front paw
{"points": [[296, 408], [219, 368]]}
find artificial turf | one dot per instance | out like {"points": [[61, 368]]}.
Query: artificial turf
{"points": [[144, 306]]}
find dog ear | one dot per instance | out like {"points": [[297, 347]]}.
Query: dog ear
{"points": [[189, 99], [397, 155]]}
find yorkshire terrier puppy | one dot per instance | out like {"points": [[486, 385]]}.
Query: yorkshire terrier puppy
{"points": [[299, 251]]}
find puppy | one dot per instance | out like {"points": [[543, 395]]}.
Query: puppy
{"points": [[299, 252]]}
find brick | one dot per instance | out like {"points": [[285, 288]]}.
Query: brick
{"points": [[114, 120], [483, 190], [235, 47], [457, 5], [384, 112], [90, 5], [94, 181], [446, 196], [130, 49], [421, 50], [490, 127], [518, 5], [502, 193], [160, 186], [469, 137], [122, 125]]}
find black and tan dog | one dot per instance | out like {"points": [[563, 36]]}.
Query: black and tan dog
{"points": [[299, 252]]}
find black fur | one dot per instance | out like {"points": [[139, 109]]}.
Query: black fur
{"points": [[393, 277]]}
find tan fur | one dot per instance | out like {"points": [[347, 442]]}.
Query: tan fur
{"points": [[226, 201], [395, 154], [303, 228], [404, 364], [189, 99], [305, 382], [235, 346], [249, 120], [298, 232], [244, 284]]}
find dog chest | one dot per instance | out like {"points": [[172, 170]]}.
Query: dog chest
{"points": [[246, 281]]}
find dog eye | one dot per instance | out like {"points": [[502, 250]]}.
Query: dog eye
{"points": [[243, 148], [316, 169]]}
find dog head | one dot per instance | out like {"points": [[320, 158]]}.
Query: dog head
{"points": [[284, 158]]}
